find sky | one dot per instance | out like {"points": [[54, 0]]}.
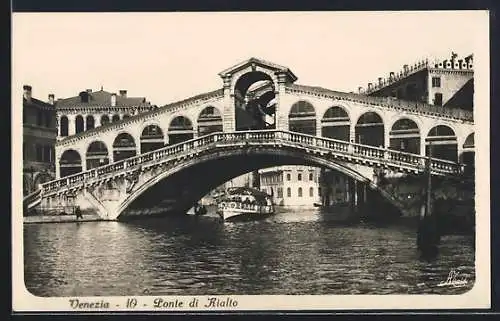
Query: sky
{"points": [[167, 57]]}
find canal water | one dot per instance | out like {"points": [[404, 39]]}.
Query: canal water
{"points": [[295, 252]]}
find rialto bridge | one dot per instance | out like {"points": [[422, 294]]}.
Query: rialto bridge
{"points": [[259, 118]]}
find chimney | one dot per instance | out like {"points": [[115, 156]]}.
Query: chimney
{"points": [[113, 100], [380, 81], [360, 90], [27, 92], [370, 86], [51, 99], [89, 91], [123, 93], [391, 75], [405, 68]]}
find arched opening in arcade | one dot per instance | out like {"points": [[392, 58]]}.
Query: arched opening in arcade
{"points": [[115, 118], [90, 123], [70, 163], [405, 136], [126, 116], [152, 138], [79, 124], [63, 126], [180, 130], [369, 130], [335, 124], [302, 118], [124, 147], [104, 120], [441, 142], [96, 155], [254, 102], [468, 155], [209, 121]]}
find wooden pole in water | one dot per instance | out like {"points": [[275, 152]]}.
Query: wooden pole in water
{"points": [[427, 230]]}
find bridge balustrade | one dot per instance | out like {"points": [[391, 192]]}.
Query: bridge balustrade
{"points": [[159, 155]]}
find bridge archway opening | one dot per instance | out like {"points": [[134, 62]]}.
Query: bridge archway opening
{"points": [[369, 130], [89, 122], [443, 142], [124, 147], [253, 96], [468, 155], [115, 118], [104, 120], [64, 126], [405, 136], [152, 138], [179, 130], [209, 121], [79, 124], [302, 118], [97, 155], [70, 163], [335, 124]]}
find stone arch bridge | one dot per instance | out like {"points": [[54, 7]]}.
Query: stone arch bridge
{"points": [[259, 118]]}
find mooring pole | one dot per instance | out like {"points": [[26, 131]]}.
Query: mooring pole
{"points": [[427, 229]]}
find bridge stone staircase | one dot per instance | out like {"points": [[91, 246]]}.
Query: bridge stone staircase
{"points": [[324, 147]]}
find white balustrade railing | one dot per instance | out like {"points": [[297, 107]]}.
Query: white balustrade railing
{"points": [[362, 152]]}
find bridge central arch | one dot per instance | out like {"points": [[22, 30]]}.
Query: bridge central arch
{"points": [[253, 91]]}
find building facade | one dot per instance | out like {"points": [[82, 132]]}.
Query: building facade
{"points": [[90, 110], [448, 83], [39, 138], [291, 185]]}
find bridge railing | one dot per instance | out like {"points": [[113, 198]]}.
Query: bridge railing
{"points": [[307, 141]]}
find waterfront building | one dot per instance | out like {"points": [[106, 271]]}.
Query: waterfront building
{"points": [[335, 187], [39, 137], [90, 109], [291, 185], [448, 83]]}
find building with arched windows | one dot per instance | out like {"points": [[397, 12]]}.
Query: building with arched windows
{"points": [[39, 138], [89, 110], [292, 185]]}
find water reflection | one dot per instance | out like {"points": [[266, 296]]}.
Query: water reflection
{"points": [[300, 252]]}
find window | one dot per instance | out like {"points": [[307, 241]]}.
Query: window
{"points": [[39, 117], [436, 82], [48, 120], [289, 192], [38, 153], [311, 192], [319, 191], [288, 177], [280, 192], [299, 176], [438, 99], [311, 176], [300, 192]]}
